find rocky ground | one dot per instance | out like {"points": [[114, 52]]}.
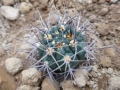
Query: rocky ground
{"points": [[105, 18]]}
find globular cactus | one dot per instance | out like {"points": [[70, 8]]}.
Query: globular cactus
{"points": [[63, 47]]}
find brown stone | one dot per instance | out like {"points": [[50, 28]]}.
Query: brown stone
{"points": [[25, 7], [79, 8], [36, 4], [101, 1], [103, 29], [118, 28], [89, 7], [94, 1], [93, 18], [47, 84], [105, 61], [44, 2], [103, 11], [68, 85], [110, 52]]}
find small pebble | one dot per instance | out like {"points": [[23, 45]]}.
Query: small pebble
{"points": [[94, 74], [8, 2], [103, 71], [107, 75], [105, 61], [94, 1], [95, 85], [94, 68], [96, 80], [89, 8], [93, 18], [91, 82], [101, 1], [36, 4], [99, 74], [113, 1], [110, 71], [25, 7], [103, 11]]}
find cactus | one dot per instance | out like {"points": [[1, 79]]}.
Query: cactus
{"points": [[63, 47], [63, 44]]}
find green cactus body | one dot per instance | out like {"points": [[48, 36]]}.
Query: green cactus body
{"points": [[61, 39]]}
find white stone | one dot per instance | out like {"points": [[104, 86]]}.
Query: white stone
{"points": [[31, 76], [114, 83], [113, 1], [116, 72], [81, 81], [25, 7], [8, 2], [91, 82], [81, 77], [94, 74], [27, 87], [95, 86], [110, 70], [94, 68], [13, 65], [10, 12], [80, 1], [103, 71], [87, 1], [99, 74]]}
